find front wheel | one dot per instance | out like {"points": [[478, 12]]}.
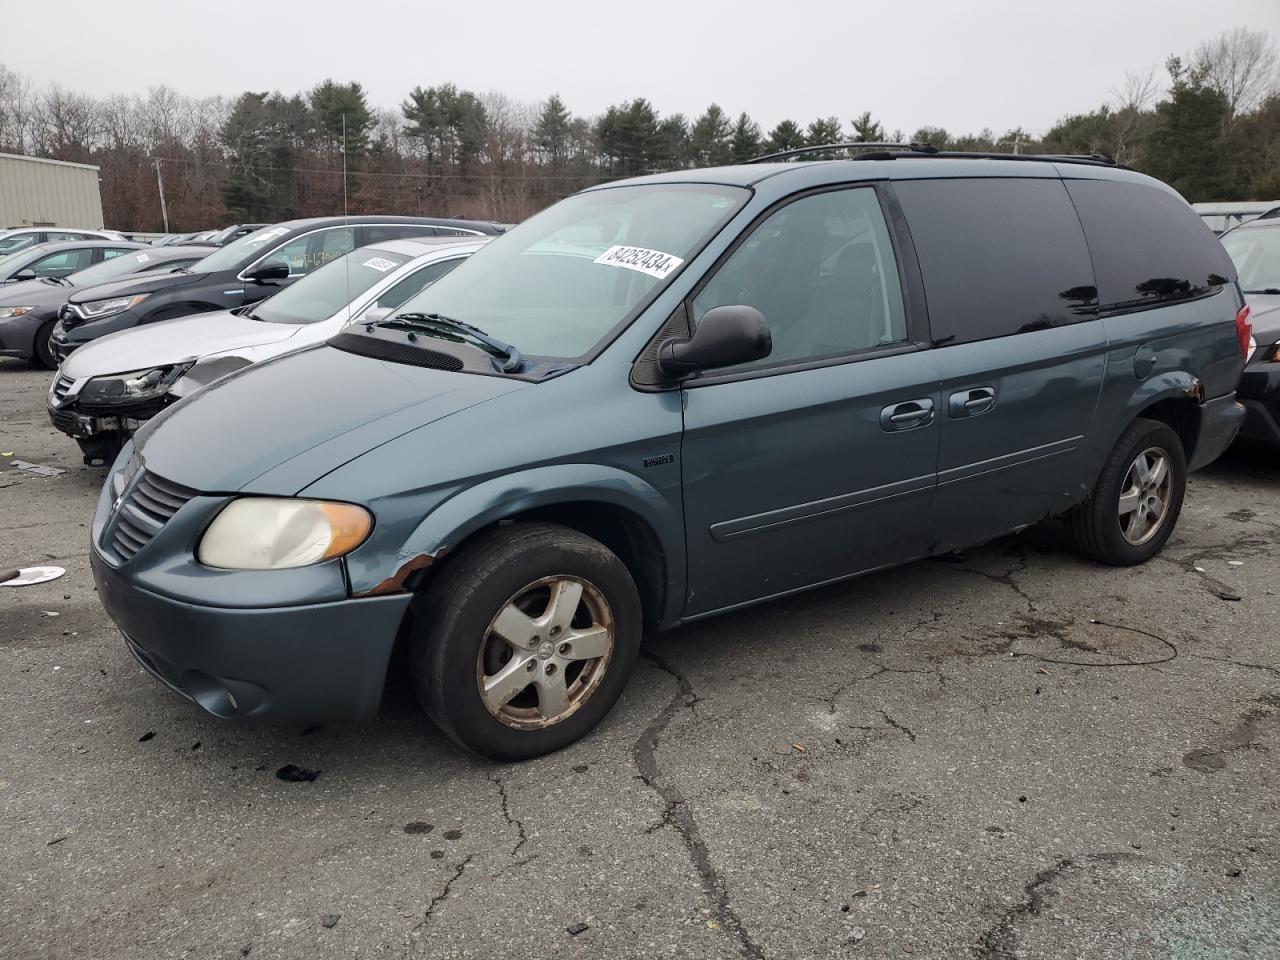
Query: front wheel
{"points": [[526, 640], [1137, 499], [42, 347]]}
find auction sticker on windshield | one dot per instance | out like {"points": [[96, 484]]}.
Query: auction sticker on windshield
{"points": [[378, 263], [653, 262]]}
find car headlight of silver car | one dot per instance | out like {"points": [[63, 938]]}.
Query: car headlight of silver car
{"points": [[97, 309], [8, 313], [274, 533], [132, 386]]}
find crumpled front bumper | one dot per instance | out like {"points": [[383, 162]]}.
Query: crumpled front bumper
{"points": [[286, 645], [324, 661]]}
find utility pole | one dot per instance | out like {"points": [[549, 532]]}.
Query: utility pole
{"points": [[164, 209]]}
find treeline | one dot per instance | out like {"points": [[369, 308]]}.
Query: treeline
{"points": [[1213, 131]]}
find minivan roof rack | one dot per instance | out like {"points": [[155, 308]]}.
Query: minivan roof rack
{"points": [[895, 151], [848, 145]]}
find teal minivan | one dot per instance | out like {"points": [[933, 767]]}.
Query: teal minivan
{"points": [[666, 398]]}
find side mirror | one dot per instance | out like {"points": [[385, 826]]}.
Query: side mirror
{"points": [[375, 315], [26, 273], [725, 336], [271, 270]]}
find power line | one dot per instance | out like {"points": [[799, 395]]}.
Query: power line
{"points": [[407, 176]]}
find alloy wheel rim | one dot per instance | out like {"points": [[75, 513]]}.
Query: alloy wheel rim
{"points": [[545, 652], [1145, 496]]}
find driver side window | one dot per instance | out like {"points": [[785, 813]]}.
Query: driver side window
{"points": [[314, 250], [822, 271]]}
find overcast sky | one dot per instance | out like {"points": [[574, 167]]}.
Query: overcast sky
{"points": [[961, 64]]}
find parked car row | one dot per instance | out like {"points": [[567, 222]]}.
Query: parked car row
{"points": [[212, 238], [31, 306], [20, 237], [657, 400], [218, 279], [105, 391]]}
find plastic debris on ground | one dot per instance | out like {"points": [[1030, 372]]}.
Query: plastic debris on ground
{"points": [[29, 576], [35, 469]]}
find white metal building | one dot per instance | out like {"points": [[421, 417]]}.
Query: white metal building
{"points": [[48, 193]]}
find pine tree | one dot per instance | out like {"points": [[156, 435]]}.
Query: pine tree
{"points": [[866, 130], [745, 140], [551, 133], [785, 136], [1187, 148], [710, 138], [824, 130]]}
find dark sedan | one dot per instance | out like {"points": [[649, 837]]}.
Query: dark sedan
{"points": [[29, 309], [245, 271], [1255, 249]]}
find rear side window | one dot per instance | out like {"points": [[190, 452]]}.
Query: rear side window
{"points": [[1149, 247], [999, 256]]}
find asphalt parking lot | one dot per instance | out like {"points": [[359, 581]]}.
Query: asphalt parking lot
{"points": [[1010, 754]]}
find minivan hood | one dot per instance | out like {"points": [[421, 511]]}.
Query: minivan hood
{"points": [[160, 344], [132, 285], [1264, 314], [278, 426]]}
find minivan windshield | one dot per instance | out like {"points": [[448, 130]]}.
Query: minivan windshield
{"points": [[1256, 254], [556, 285], [233, 254], [328, 289]]}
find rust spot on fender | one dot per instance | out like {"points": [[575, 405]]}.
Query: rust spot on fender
{"points": [[395, 582]]}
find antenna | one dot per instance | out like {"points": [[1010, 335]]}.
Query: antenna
{"points": [[346, 257]]}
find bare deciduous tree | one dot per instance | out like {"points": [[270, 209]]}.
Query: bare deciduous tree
{"points": [[1241, 65], [1138, 90]]}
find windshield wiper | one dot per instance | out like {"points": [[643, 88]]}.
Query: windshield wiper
{"points": [[1273, 291], [437, 324], [60, 281]]}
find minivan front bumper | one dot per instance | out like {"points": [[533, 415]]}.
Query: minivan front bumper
{"points": [[324, 661], [286, 645]]}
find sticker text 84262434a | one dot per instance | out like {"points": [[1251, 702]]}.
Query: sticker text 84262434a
{"points": [[653, 262]]}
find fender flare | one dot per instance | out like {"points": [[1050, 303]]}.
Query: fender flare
{"points": [[1167, 385], [509, 495]]}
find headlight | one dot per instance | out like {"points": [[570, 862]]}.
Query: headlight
{"points": [[272, 533], [135, 385], [97, 309], [7, 312]]}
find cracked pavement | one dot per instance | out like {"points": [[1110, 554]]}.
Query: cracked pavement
{"points": [[1013, 753]]}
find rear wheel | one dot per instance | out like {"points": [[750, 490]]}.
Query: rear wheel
{"points": [[526, 640], [42, 347], [1137, 499]]}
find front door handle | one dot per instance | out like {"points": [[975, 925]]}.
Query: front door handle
{"points": [[907, 415], [971, 403]]}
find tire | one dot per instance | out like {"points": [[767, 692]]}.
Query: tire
{"points": [[42, 350], [458, 643], [1098, 529]]}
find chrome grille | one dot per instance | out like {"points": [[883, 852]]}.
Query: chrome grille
{"points": [[61, 385], [145, 507]]}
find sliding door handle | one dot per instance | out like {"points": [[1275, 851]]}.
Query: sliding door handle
{"points": [[907, 415]]}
